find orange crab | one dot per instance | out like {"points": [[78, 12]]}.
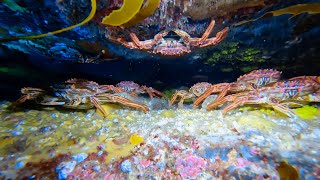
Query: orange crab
{"points": [[278, 96], [249, 81], [172, 47], [195, 91], [134, 89], [78, 94]]}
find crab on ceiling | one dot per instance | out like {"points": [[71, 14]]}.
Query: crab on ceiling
{"points": [[152, 23]]}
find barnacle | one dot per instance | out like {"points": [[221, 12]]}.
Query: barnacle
{"points": [[90, 16], [146, 11], [311, 8], [127, 11]]}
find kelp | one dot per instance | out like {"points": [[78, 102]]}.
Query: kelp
{"points": [[147, 10], [121, 16], [311, 8], [90, 16]]}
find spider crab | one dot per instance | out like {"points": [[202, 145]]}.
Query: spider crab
{"points": [[247, 82], [78, 94], [134, 89], [280, 96], [171, 47], [195, 91]]}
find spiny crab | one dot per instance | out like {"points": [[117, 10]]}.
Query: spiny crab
{"points": [[195, 91], [172, 47], [249, 81], [280, 96], [134, 89], [78, 94]]}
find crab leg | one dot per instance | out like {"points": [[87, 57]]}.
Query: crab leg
{"points": [[233, 105], [186, 38], [96, 103], [252, 100], [213, 89], [108, 88], [51, 101], [283, 109], [215, 40], [28, 94], [130, 45], [124, 101], [207, 32], [182, 93], [136, 41], [148, 44], [152, 92], [158, 37]]}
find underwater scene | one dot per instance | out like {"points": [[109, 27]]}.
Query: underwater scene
{"points": [[160, 89]]}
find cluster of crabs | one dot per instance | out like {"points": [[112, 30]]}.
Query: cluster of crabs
{"points": [[84, 94], [260, 87]]}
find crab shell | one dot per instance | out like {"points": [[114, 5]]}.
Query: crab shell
{"points": [[171, 47], [261, 77], [199, 88], [129, 86]]}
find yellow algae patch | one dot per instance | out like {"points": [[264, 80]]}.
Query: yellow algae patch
{"points": [[168, 113], [311, 8], [4, 142], [307, 112], [90, 16], [109, 108], [127, 11], [256, 120], [135, 139], [147, 10]]}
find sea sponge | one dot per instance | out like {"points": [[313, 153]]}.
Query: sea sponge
{"points": [[127, 11], [311, 8], [147, 10], [90, 16], [307, 112]]}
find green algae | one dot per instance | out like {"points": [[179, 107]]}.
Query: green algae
{"points": [[168, 113], [256, 120], [307, 112], [232, 52]]}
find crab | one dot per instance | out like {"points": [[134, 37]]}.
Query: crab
{"points": [[134, 89], [78, 94], [247, 82], [195, 91], [279, 96], [172, 47]]}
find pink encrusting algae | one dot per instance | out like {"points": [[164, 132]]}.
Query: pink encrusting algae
{"points": [[190, 166]]}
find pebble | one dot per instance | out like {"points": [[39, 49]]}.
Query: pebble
{"points": [[65, 168], [19, 165], [16, 133], [126, 166], [80, 157], [99, 153], [96, 168]]}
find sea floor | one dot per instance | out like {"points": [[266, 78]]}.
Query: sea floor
{"points": [[164, 143]]}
